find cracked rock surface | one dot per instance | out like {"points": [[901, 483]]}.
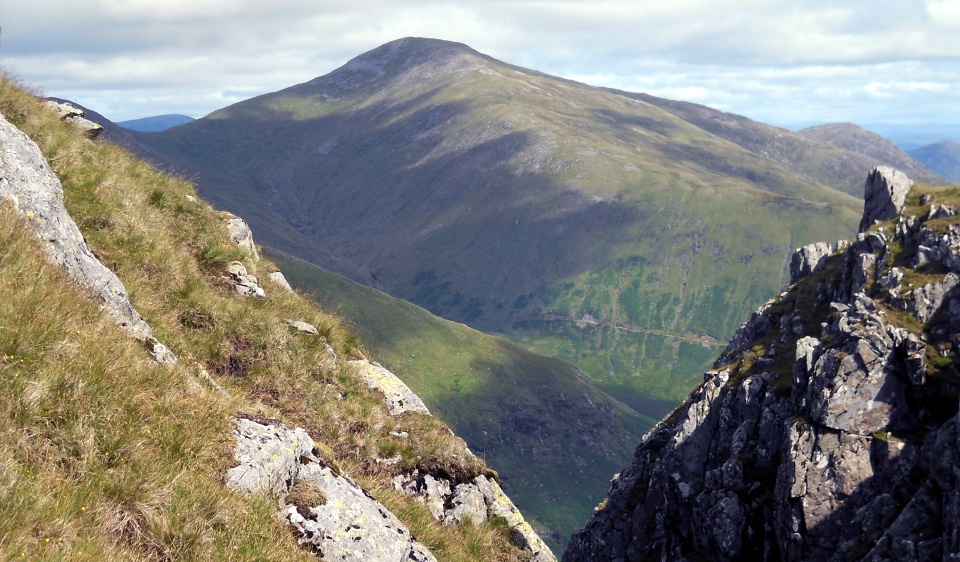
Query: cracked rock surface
{"points": [[348, 525], [828, 428]]}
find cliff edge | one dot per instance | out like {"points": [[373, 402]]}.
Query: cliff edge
{"points": [[827, 430]]}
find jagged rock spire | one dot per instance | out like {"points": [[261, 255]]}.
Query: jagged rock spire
{"points": [[883, 195]]}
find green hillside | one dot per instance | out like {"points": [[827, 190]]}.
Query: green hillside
{"points": [[555, 438], [106, 455], [577, 221]]}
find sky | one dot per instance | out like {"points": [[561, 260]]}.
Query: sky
{"points": [[785, 62]]}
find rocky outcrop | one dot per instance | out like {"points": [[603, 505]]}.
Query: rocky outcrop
{"points": [[240, 233], [246, 284], [74, 116], [278, 278], [339, 520], [398, 396], [884, 195], [809, 260], [479, 499], [28, 183], [827, 430]]}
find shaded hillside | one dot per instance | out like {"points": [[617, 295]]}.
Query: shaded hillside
{"points": [[879, 150], [579, 222], [555, 438], [828, 430], [815, 157], [942, 157]]}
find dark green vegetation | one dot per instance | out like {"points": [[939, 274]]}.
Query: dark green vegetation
{"points": [[576, 221], [555, 437], [875, 148], [942, 157], [107, 455]]}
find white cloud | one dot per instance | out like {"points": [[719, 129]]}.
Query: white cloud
{"points": [[777, 60]]}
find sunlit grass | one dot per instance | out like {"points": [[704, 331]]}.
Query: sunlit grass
{"points": [[106, 455]]}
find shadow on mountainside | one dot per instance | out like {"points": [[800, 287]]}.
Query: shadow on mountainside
{"points": [[310, 189]]}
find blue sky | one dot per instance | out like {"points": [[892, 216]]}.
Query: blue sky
{"points": [[782, 62]]}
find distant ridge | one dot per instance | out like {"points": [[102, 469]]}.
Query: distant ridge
{"points": [[941, 157], [880, 150], [156, 123]]}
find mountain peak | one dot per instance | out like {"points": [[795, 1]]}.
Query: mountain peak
{"points": [[397, 56]]}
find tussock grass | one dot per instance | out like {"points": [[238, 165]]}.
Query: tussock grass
{"points": [[104, 454]]}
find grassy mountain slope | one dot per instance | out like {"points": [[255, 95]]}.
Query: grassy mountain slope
{"points": [[107, 455], [577, 221], [814, 153], [880, 150], [942, 157], [554, 436]]}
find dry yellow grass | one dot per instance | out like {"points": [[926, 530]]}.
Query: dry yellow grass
{"points": [[105, 455]]}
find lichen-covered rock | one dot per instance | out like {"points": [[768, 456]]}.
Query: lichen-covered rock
{"points": [[478, 499], [240, 233], [278, 278], [244, 283], [822, 433], [466, 502], [28, 183], [398, 395], [346, 524], [270, 456], [303, 327], [75, 116], [352, 525]]}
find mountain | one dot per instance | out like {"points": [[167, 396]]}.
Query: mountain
{"points": [[879, 150], [160, 401], [915, 135], [555, 438], [579, 222], [155, 123], [816, 157], [941, 157], [828, 429]]}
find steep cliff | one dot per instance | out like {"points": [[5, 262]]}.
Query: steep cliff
{"points": [[828, 428]]}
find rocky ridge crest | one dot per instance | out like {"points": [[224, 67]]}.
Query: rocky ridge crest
{"points": [[828, 428]]}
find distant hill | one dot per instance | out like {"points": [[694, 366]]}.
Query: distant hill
{"points": [[156, 123], [942, 157], [879, 150]]}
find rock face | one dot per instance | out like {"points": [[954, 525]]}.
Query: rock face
{"points": [[278, 278], [240, 233], [244, 283], [479, 499], [827, 430], [75, 116], [346, 523], [28, 183], [398, 395], [884, 194]]}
